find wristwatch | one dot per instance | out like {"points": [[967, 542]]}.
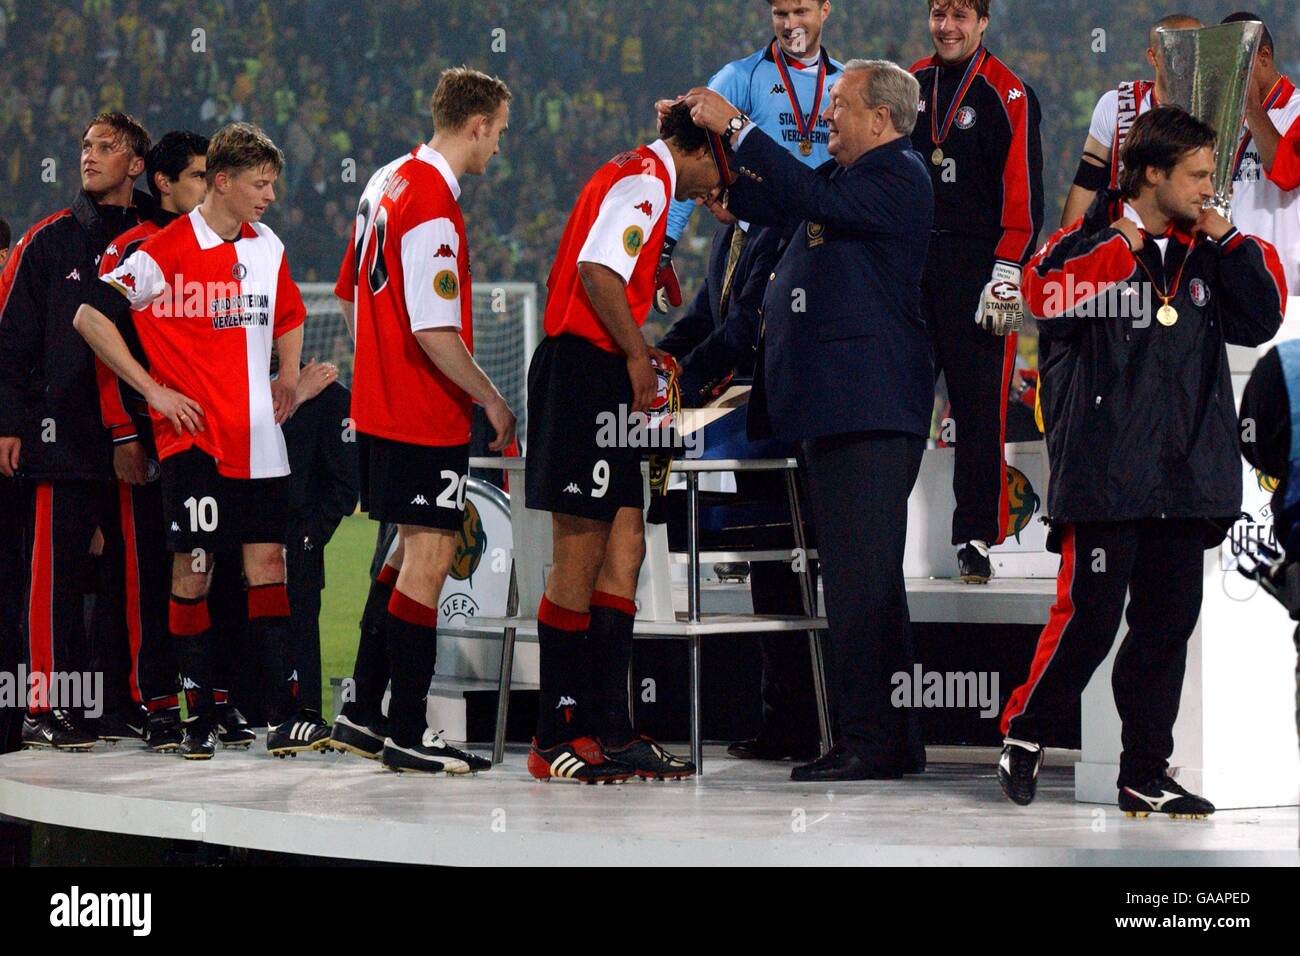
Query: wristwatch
{"points": [[737, 123]]}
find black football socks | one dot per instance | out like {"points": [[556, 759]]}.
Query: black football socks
{"points": [[268, 623], [609, 648], [565, 682], [370, 673], [412, 630]]}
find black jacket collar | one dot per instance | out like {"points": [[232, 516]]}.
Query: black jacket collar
{"points": [[91, 217]]}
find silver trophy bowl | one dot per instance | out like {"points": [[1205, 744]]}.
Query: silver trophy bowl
{"points": [[1207, 73]]}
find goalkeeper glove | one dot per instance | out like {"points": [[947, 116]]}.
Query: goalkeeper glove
{"points": [[1002, 308]]}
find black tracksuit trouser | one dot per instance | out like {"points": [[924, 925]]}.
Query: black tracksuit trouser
{"points": [[1158, 564], [977, 367]]}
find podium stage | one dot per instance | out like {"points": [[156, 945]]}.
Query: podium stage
{"points": [[740, 813]]}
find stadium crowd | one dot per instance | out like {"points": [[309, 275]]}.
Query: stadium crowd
{"points": [[343, 101]]}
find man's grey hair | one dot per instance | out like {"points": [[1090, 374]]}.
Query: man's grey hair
{"points": [[888, 84]]}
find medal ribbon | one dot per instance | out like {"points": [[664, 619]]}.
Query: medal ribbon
{"points": [[1167, 297], [805, 126], [1246, 139], [972, 69]]}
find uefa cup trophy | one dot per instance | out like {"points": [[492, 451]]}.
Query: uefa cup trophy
{"points": [[1207, 73]]}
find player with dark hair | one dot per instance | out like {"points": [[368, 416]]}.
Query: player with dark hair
{"points": [[175, 169], [208, 296], [405, 285], [1113, 117], [594, 363], [1266, 180], [1141, 430], [50, 427], [981, 137]]}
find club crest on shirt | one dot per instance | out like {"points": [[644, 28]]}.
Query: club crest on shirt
{"points": [[445, 284], [1199, 291], [816, 234], [633, 239], [239, 270], [965, 117]]}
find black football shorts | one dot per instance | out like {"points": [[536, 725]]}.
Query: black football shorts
{"points": [[578, 460], [422, 485], [204, 509]]}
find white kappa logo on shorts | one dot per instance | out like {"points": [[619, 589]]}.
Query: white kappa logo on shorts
{"points": [[419, 500], [175, 526], [573, 489]]}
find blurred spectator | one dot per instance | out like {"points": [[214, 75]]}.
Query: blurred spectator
{"points": [[335, 80]]}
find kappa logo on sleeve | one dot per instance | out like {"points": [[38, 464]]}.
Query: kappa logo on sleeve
{"points": [[633, 240], [1014, 95], [445, 284], [444, 252], [645, 207]]}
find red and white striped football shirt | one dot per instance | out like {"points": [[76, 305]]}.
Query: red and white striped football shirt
{"points": [[619, 222], [1266, 203], [407, 270], [207, 311]]}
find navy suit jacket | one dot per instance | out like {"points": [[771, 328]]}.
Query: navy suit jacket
{"points": [[708, 344], [844, 347]]}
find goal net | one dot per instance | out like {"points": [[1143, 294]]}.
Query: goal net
{"points": [[506, 331]]}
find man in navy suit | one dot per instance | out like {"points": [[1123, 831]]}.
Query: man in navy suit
{"points": [[845, 369]]}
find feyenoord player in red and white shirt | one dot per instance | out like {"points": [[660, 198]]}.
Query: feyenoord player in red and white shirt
{"points": [[1266, 183], [1112, 118], [405, 283], [594, 364], [208, 296]]}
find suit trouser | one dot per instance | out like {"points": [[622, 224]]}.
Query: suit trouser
{"points": [[132, 642], [977, 367], [14, 508], [789, 701], [1158, 564], [858, 485], [60, 529]]}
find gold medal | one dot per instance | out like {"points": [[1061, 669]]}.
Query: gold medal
{"points": [[1167, 315], [937, 157], [805, 147]]}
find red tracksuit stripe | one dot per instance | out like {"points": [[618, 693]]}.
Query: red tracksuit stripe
{"points": [[1273, 263], [111, 409], [15, 261], [134, 623], [1061, 615], [40, 610], [1004, 496], [1017, 215], [1098, 270]]}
